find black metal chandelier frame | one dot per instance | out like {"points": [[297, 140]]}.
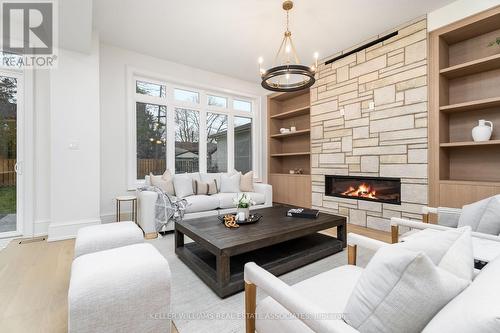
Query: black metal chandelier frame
{"points": [[284, 70]]}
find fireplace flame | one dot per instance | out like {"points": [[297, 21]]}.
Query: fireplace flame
{"points": [[363, 191]]}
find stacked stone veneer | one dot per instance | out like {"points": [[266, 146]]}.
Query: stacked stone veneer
{"points": [[348, 138]]}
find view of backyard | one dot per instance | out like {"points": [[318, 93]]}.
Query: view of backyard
{"points": [[8, 133]]}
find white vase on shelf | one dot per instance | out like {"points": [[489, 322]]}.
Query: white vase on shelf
{"points": [[482, 132]]}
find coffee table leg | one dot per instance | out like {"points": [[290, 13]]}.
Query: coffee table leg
{"points": [[179, 239], [342, 234], [223, 270]]}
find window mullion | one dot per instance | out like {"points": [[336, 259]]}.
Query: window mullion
{"points": [[203, 134], [230, 143]]}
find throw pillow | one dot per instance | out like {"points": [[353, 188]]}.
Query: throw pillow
{"points": [[490, 221], [164, 182], [472, 213], [230, 183], [211, 177], [246, 182], [205, 188], [183, 185], [450, 250], [400, 291]]}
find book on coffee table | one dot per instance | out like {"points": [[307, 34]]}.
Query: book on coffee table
{"points": [[302, 212]]}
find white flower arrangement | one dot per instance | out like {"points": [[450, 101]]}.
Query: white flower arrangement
{"points": [[243, 201]]}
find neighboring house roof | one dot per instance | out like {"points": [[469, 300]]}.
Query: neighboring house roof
{"points": [[238, 129], [192, 147]]}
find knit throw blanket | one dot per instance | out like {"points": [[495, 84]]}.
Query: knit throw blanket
{"points": [[168, 209]]}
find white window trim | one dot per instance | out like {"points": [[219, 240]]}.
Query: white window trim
{"points": [[133, 73]]}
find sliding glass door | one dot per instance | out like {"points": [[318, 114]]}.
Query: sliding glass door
{"points": [[9, 167]]}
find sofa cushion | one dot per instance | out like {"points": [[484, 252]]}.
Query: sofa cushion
{"points": [[201, 203], [329, 290], [183, 185], [472, 213], [450, 250], [259, 198], [207, 188], [230, 183], [476, 309], [400, 291], [246, 182], [490, 221], [164, 182], [208, 177], [225, 199]]}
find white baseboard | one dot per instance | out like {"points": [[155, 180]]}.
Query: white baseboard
{"points": [[68, 230], [41, 228]]}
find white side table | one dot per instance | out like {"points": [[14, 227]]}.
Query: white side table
{"points": [[124, 198]]}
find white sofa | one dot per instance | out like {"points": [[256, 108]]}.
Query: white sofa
{"points": [[200, 205], [475, 309]]}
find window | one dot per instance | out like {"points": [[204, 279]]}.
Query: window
{"points": [[216, 142], [186, 96], [187, 140], [243, 144], [186, 129], [151, 139], [218, 101], [150, 89], [242, 105]]}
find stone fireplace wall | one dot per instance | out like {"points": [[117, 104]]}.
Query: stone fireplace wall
{"points": [[390, 140]]}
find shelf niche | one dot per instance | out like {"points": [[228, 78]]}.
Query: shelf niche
{"points": [[464, 77], [290, 151]]}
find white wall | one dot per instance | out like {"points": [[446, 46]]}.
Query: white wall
{"points": [[113, 64], [74, 120], [456, 11]]}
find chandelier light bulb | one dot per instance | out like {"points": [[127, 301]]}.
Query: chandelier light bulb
{"points": [[260, 60], [287, 49]]}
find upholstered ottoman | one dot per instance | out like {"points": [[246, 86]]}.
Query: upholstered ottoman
{"points": [[126, 289], [107, 236]]}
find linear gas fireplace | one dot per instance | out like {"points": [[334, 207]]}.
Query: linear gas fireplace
{"points": [[379, 189]]}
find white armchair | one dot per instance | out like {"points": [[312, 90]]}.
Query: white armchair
{"points": [[312, 302], [486, 247]]}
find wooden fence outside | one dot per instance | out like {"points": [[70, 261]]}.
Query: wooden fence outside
{"points": [[7, 172], [145, 166], [158, 167]]}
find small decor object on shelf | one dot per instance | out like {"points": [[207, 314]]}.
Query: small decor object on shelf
{"points": [[292, 172], [243, 203], [301, 212], [282, 130], [293, 129], [482, 132]]}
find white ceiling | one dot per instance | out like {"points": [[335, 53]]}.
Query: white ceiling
{"points": [[227, 36]]}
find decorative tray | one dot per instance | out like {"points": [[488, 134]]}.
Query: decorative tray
{"points": [[254, 218]]}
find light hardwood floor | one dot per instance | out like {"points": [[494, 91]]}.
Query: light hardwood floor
{"points": [[34, 280]]}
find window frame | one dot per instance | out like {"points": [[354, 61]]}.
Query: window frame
{"points": [[203, 108]]}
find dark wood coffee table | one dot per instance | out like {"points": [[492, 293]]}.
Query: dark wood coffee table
{"points": [[277, 243]]}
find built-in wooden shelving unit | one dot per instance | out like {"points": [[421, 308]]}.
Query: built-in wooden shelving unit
{"points": [[290, 151], [472, 105], [464, 76], [472, 67], [284, 135], [469, 143]]}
